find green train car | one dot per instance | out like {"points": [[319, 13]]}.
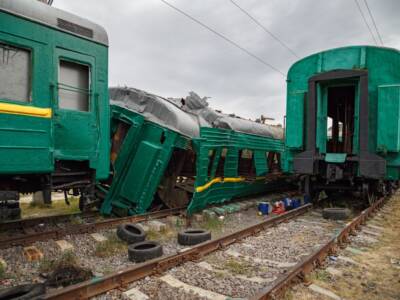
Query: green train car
{"points": [[54, 104], [178, 152], [342, 120]]}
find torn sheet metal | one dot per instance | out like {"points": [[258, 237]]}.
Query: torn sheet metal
{"points": [[187, 115], [156, 109]]}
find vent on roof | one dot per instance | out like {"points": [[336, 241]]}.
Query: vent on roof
{"points": [[75, 28]]}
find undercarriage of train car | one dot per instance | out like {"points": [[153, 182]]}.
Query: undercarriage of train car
{"points": [[70, 177]]}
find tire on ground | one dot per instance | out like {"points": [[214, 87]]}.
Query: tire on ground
{"points": [[23, 292], [131, 233], [143, 251], [191, 237], [336, 213]]}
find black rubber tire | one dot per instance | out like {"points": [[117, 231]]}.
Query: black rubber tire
{"points": [[336, 213], [143, 251], [23, 292], [131, 233], [191, 237]]}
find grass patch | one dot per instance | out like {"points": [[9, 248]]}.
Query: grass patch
{"points": [[76, 220], [219, 275], [65, 270], [57, 207], [237, 267], [68, 258], [320, 275], [163, 235], [107, 270], [2, 271], [213, 224], [112, 246]]}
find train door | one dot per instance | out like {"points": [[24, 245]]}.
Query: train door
{"points": [[75, 117], [340, 118]]}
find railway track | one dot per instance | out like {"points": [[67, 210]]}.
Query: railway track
{"points": [[169, 269], [122, 278], [26, 232]]}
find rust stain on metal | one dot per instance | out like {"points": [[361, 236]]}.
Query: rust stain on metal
{"points": [[30, 238]]}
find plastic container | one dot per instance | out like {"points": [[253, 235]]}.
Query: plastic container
{"points": [[296, 203], [263, 208], [287, 202]]}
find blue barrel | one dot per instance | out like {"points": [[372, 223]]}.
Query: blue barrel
{"points": [[263, 208], [287, 202], [296, 203]]}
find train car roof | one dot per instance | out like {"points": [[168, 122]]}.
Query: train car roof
{"points": [[56, 18], [186, 115], [339, 49], [156, 109]]}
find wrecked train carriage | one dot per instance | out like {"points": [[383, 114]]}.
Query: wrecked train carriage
{"points": [[175, 151]]}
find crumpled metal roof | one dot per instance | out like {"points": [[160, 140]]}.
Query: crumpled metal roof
{"points": [[156, 109], [199, 106], [186, 115]]}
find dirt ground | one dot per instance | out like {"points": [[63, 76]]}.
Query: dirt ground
{"points": [[377, 274]]}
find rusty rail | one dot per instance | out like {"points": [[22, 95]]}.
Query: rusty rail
{"points": [[118, 279], [57, 233], [29, 222], [303, 268]]}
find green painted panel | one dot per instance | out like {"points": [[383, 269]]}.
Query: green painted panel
{"points": [[139, 171], [389, 118], [52, 139], [140, 164], [295, 120], [335, 157], [260, 160], [223, 189], [346, 58]]}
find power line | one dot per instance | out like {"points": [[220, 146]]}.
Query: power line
{"points": [[224, 38], [365, 21], [373, 22], [265, 29]]}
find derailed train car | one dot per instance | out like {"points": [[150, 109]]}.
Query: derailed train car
{"points": [[343, 112], [178, 152]]}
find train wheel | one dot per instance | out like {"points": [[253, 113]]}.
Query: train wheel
{"points": [[308, 188]]}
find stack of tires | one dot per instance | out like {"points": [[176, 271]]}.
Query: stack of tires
{"points": [[139, 250]]}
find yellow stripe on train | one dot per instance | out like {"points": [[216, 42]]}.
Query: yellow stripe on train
{"points": [[202, 188], [15, 109]]}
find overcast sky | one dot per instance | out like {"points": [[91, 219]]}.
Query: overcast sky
{"points": [[154, 48]]}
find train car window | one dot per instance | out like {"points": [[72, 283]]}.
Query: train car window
{"points": [[15, 73], [211, 157], [221, 163], [73, 86], [246, 163]]}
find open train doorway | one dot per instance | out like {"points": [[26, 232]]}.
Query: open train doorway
{"points": [[340, 119]]}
